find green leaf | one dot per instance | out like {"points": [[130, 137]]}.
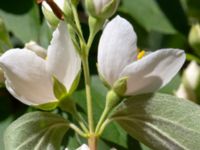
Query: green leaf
{"points": [[176, 16], [45, 35], [36, 130], [25, 26], [193, 8], [161, 121], [147, 13], [4, 36], [172, 86], [3, 125], [58, 88]]}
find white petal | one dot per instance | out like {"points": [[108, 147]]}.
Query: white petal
{"points": [[62, 59], [83, 147], [153, 71], [117, 48], [33, 46], [192, 75], [26, 77]]}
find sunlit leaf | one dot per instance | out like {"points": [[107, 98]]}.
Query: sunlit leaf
{"points": [[161, 121], [36, 130]]}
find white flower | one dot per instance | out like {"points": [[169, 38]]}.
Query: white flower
{"points": [[118, 57], [29, 77]]}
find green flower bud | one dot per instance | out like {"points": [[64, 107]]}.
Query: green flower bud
{"points": [[120, 86], [57, 10], [112, 99], [194, 38], [101, 8]]}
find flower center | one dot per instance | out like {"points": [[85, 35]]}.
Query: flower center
{"points": [[140, 55]]}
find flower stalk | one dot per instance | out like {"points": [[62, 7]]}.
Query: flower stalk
{"points": [[77, 130]]}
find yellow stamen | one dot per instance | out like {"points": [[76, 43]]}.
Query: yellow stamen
{"points": [[46, 58], [140, 55]]}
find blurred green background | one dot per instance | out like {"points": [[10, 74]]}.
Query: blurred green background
{"points": [[158, 24]]}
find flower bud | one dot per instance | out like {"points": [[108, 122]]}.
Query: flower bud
{"points": [[120, 86], [33, 46], [185, 93], [191, 75], [58, 10], [49, 14], [194, 38], [112, 99], [101, 8], [190, 82]]}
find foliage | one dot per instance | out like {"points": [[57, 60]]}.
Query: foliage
{"points": [[160, 121]]}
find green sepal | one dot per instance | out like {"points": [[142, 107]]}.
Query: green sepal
{"points": [[90, 8], [68, 13], [58, 88], [103, 79], [106, 12], [95, 24], [110, 9], [73, 34], [112, 100], [75, 83], [75, 2], [67, 104], [120, 86], [48, 106], [50, 17]]}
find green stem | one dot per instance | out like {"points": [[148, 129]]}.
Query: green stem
{"points": [[112, 100], [78, 130], [102, 119], [81, 122], [103, 125], [88, 93], [76, 19], [90, 41]]}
